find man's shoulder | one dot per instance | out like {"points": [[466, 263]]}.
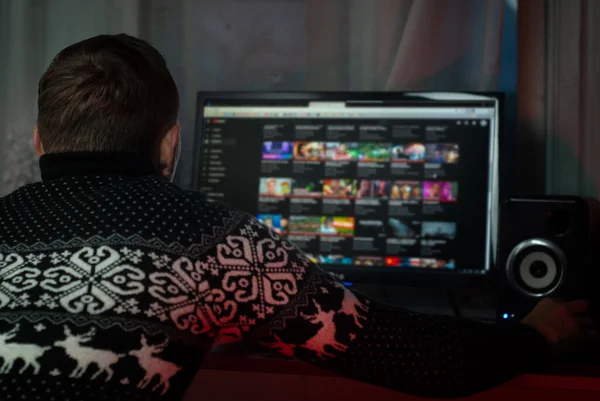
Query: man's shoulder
{"points": [[217, 220], [24, 189], [205, 208], [194, 201]]}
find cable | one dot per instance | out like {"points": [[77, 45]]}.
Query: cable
{"points": [[455, 309], [385, 294]]}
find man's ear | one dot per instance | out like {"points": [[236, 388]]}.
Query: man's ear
{"points": [[38, 146], [168, 149]]}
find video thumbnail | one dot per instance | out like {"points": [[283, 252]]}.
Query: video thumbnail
{"points": [[307, 188], [277, 187], [395, 261], [411, 152], [339, 188], [429, 263], [277, 150], [368, 261], [309, 151], [374, 152], [335, 260], [406, 190], [402, 229], [373, 189], [305, 224], [442, 153], [275, 222], [341, 151], [438, 230], [343, 226], [440, 191]]}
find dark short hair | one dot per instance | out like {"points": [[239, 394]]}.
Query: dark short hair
{"points": [[109, 93]]}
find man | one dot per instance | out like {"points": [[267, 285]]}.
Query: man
{"points": [[434, 191], [381, 189], [114, 283], [271, 187], [341, 152], [364, 189], [327, 227]]}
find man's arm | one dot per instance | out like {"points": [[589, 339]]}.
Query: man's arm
{"points": [[264, 288], [340, 330]]}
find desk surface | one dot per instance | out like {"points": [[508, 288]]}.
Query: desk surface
{"points": [[571, 378]]}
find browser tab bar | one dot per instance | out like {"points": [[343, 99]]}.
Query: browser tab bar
{"points": [[331, 111], [327, 105]]}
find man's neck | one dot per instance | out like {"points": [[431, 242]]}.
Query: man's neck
{"points": [[60, 165]]}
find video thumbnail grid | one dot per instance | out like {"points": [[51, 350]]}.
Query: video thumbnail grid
{"points": [[390, 261], [345, 226], [356, 189], [408, 152], [392, 232], [340, 216]]}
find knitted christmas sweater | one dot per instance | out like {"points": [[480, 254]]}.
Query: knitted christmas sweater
{"points": [[114, 285]]}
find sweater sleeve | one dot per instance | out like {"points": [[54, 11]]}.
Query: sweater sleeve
{"points": [[342, 331], [305, 313]]}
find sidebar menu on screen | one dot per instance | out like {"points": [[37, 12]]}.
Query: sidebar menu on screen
{"points": [[230, 162], [215, 151]]}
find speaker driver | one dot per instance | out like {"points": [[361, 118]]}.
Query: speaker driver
{"points": [[536, 267]]}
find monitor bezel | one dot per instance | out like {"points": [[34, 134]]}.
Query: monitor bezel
{"points": [[428, 277]]}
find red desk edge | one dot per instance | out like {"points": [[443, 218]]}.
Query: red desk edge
{"points": [[575, 379]]}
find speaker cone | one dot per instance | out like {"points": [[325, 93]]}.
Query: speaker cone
{"points": [[536, 267]]}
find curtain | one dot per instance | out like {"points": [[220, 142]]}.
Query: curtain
{"points": [[250, 45], [559, 95]]}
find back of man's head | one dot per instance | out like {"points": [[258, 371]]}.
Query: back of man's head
{"points": [[109, 93]]}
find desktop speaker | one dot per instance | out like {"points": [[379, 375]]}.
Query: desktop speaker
{"points": [[547, 247]]}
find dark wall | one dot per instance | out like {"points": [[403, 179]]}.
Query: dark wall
{"points": [[507, 83]]}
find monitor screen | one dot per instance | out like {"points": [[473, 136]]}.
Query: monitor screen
{"points": [[384, 183]]}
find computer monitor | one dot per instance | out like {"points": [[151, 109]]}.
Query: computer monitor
{"points": [[378, 187]]}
